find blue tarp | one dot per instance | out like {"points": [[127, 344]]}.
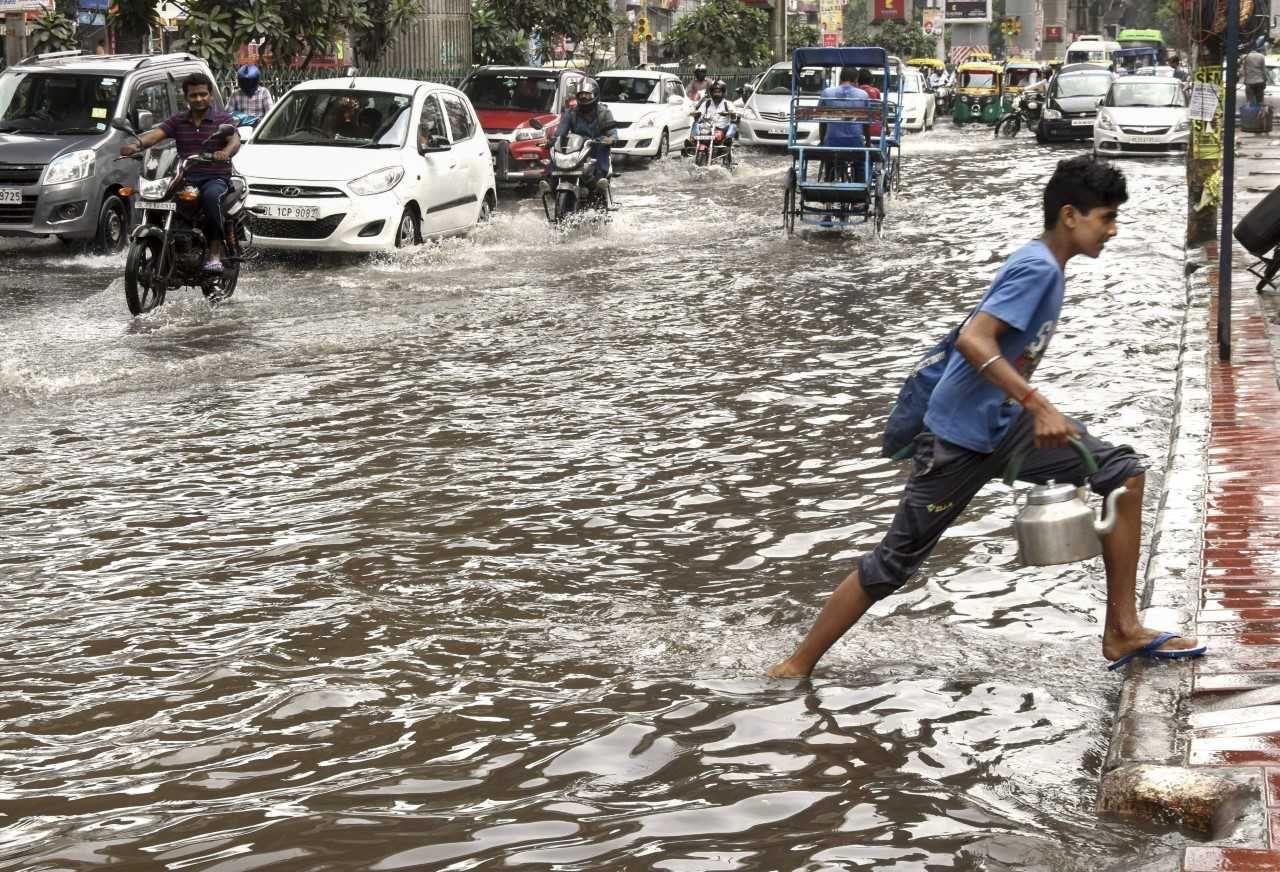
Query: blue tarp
{"points": [[848, 56]]}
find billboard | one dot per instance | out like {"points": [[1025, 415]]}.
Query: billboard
{"points": [[831, 21], [931, 23], [966, 11], [889, 10]]}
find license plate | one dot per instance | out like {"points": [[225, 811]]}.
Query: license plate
{"points": [[292, 213], [1082, 122], [11, 195], [160, 205], [1145, 139]]}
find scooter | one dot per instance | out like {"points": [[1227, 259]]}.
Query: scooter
{"points": [[565, 190], [168, 250]]}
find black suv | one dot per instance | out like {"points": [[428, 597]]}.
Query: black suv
{"points": [[58, 170]]}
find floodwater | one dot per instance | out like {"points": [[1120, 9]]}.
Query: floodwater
{"points": [[473, 558]]}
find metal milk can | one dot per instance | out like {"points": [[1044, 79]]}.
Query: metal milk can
{"points": [[1056, 525]]}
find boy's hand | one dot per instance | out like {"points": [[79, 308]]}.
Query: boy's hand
{"points": [[1052, 428]]}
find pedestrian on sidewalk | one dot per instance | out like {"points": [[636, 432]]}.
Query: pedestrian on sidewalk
{"points": [[1255, 74], [984, 411]]}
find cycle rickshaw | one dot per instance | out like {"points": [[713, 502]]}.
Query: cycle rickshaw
{"points": [[830, 184]]}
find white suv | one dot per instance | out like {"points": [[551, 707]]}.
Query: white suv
{"points": [[367, 164]]}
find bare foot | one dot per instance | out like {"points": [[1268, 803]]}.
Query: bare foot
{"points": [[785, 670], [1115, 646]]}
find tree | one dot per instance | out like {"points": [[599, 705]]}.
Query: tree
{"points": [[722, 32], [381, 23], [906, 40], [215, 29], [801, 33], [131, 21], [578, 21], [53, 31], [494, 43]]}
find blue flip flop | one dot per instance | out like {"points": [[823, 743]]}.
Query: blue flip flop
{"points": [[1152, 650]]}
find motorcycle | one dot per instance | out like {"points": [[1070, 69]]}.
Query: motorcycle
{"points": [[565, 190], [942, 96], [1027, 113], [168, 250], [704, 148]]}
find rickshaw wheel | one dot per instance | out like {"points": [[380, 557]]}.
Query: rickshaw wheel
{"points": [[878, 208], [789, 203]]}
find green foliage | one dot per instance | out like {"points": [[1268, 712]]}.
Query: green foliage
{"points": [[494, 43], [53, 32], [905, 39], [801, 33], [722, 33], [131, 21], [576, 20], [215, 29]]}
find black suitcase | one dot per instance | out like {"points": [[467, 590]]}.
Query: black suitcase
{"points": [[1255, 118], [1259, 230]]}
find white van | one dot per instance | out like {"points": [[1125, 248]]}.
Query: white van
{"points": [[1091, 49]]}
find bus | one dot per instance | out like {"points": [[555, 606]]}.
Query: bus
{"points": [[1144, 39]]}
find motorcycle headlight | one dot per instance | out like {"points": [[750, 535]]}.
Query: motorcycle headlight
{"points": [[1052, 113], [377, 182], [1104, 122], [153, 189], [524, 134], [1033, 105], [70, 167]]}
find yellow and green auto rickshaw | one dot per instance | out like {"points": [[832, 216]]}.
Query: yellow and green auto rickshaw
{"points": [[927, 65], [977, 96], [1019, 74]]}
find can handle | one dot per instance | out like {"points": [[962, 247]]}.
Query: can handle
{"points": [[1014, 466]]}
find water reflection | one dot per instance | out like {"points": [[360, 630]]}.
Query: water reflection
{"points": [[472, 558]]}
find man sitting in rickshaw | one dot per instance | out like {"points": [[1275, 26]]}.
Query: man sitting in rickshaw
{"points": [[838, 134]]}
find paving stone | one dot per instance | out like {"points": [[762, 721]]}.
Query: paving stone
{"points": [[1211, 859]]}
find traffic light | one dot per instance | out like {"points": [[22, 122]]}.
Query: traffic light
{"points": [[642, 32]]}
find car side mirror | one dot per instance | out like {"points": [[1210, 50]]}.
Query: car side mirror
{"points": [[747, 91], [143, 119], [226, 129], [123, 126], [1101, 100], [673, 100], [535, 124], [434, 145]]}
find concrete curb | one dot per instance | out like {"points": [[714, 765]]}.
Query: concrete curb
{"points": [[1145, 773]]}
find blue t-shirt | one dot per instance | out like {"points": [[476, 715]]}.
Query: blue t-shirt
{"points": [[842, 96], [965, 408]]}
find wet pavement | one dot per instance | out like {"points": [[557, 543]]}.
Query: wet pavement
{"points": [[473, 557]]}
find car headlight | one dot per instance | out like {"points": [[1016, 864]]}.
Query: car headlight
{"points": [[377, 181], [1181, 126], [647, 121], [1052, 113], [524, 134], [153, 189], [70, 167], [750, 114], [1104, 122]]}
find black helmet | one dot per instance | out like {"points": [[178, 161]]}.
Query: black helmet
{"points": [[718, 85], [700, 71], [586, 94]]}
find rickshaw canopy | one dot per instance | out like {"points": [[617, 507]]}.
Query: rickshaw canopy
{"points": [[926, 62], [980, 67], [847, 56]]}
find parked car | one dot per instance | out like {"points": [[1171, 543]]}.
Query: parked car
{"points": [[1072, 103], [651, 110], [506, 100], [767, 113], [58, 172], [367, 164], [1142, 115], [918, 105]]}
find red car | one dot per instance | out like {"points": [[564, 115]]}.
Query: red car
{"points": [[507, 99]]}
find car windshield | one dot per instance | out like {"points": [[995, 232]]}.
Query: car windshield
{"points": [[1021, 78], [910, 85], [535, 94], [1082, 86], [778, 81], [57, 103], [352, 119], [626, 89], [1145, 94], [971, 79], [1098, 55]]}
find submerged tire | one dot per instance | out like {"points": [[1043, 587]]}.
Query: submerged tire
{"points": [[408, 232], [140, 292], [564, 204]]}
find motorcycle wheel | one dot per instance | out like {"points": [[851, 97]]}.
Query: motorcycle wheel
{"points": [[701, 157], [1009, 126], [141, 293], [564, 204]]}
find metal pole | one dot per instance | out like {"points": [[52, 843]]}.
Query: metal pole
{"points": [[1231, 55]]}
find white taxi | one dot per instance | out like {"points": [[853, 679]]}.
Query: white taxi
{"points": [[367, 164]]}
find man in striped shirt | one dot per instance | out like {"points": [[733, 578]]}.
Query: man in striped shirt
{"points": [[252, 98]]}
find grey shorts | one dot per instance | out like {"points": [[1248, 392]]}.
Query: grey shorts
{"points": [[945, 477]]}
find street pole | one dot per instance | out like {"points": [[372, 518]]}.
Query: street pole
{"points": [[1231, 57]]}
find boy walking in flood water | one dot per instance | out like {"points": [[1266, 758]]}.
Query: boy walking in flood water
{"points": [[984, 411]]}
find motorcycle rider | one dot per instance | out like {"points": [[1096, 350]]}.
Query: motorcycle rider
{"points": [[698, 87], [716, 110], [589, 119], [251, 98], [189, 130]]}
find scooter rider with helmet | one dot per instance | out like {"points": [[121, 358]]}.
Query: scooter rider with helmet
{"points": [[589, 119], [716, 109], [698, 87], [250, 98]]}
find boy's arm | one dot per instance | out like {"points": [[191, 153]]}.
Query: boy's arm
{"points": [[978, 342]]}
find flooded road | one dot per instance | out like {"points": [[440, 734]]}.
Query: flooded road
{"points": [[473, 558]]}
